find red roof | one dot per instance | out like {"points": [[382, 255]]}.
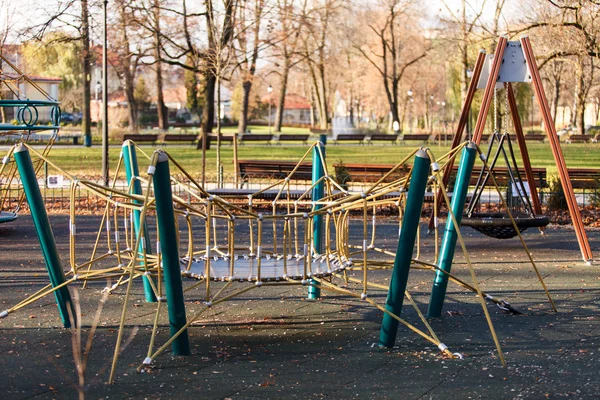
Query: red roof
{"points": [[293, 101], [296, 102]]}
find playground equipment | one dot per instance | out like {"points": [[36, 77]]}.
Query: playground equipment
{"points": [[514, 62], [496, 224], [229, 249], [27, 113]]}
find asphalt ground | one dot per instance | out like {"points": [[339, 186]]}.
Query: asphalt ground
{"points": [[272, 343]]}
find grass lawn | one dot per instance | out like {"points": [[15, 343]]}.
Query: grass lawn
{"points": [[87, 161]]}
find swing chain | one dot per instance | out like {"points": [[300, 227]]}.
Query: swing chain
{"points": [[495, 110], [506, 109]]}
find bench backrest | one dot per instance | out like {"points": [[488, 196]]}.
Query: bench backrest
{"points": [[416, 136], [274, 169], [383, 136], [179, 137], [584, 178], [350, 136], [141, 137], [302, 137], [257, 136]]}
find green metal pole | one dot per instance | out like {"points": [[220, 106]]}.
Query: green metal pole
{"points": [[132, 171], [314, 292], [459, 196], [170, 253], [406, 244], [44, 233]]}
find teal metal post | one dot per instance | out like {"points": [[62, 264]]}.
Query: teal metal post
{"points": [[406, 244], [132, 171], [314, 292], [170, 253], [459, 196], [44, 233]]}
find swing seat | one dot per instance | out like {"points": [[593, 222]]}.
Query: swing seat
{"points": [[500, 226]]}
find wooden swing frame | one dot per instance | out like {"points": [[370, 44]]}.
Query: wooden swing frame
{"points": [[494, 72]]}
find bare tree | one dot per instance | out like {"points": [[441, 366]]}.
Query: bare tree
{"points": [[73, 15], [128, 58], [250, 43], [394, 51], [163, 119], [287, 50]]}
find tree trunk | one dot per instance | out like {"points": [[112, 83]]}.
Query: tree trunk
{"points": [[281, 100], [163, 118], [555, 100], [581, 115], [323, 88], [243, 121], [86, 119], [208, 112], [131, 104]]}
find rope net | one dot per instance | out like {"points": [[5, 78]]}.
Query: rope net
{"points": [[230, 247]]}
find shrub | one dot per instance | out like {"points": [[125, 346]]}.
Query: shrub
{"points": [[556, 199], [342, 176], [595, 196]]}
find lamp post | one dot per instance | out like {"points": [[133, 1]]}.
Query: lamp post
{"points": [[429, 101], [104, 97], [270, 90], [444, 122], [97, 93], [409, 93]]}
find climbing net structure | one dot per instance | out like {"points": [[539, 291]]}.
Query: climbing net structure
{"points": [[158, 235], [25, 123]]}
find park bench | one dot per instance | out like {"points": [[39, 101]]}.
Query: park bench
{"points": [[382, 137], [256, 137], [535, 137], [273, 169], [368, 173], [179, 138], [74, 138], [349, 137], [579, 138], [584, 178], [298, 137], [415, 137], [503, 177], [141, 137], [443, 137], [317, 131], [212, 138]]}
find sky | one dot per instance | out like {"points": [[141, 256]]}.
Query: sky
{"points": [[28, 12]]}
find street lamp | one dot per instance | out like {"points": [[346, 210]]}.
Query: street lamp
{"points": [[104, 95], [270, 90], [98, 89], [430, 112], [409, 93]]}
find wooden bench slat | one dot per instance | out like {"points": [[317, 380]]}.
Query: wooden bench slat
{"points": [[584, 178], [256, 137], [141, 137], [421, 137], [349, 137], [382, 137], [290, 137]]}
